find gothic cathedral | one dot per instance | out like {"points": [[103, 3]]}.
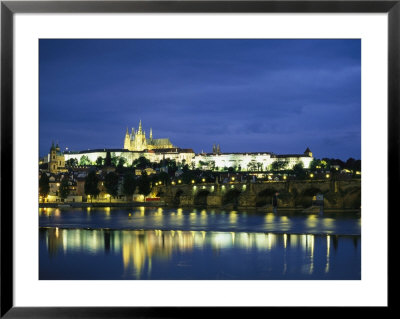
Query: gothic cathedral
{"points": [[137, 141]]}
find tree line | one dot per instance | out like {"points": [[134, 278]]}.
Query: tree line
{"points": [[111, 184]]}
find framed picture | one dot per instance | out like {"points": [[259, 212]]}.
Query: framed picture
{"points": [[206, 154]]}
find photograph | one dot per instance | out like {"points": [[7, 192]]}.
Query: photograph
{"points": [[199, 159]]}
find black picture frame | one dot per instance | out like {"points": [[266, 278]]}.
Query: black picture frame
{"points": [[9, 8]]}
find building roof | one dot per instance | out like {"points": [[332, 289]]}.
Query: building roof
{"points": [[98, 150], [238, 153], [172, 150], [289, 155], [186, 150], [254, 153], [158, 141]]}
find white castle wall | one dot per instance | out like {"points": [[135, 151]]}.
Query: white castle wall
{"points": [[245, 161], [131, 156]]}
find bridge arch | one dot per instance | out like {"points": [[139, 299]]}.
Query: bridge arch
{"points": [[352, 197], [304, 199], [201, 197], [177, 196], [264, 197], [231, 197], [179, 192]]}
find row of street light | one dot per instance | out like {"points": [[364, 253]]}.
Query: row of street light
{"points": [[311, 175]]}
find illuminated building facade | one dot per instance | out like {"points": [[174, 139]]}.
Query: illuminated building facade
{"points": [[137, 141], [155, 156], [260, 161], [206, 161]]}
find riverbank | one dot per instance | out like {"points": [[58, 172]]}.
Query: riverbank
{"points": [[83, 205], [268, 209]]}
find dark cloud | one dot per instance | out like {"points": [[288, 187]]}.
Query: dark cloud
{"points": [[246, 95]]}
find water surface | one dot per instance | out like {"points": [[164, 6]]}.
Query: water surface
{"points": [[173, 244], [200, 219]]}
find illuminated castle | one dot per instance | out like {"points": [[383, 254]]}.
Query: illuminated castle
{"points": [[137, 145], [137, 141]]}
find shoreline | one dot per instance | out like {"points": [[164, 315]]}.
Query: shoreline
{"points": [[162, 204], [84, 205]]}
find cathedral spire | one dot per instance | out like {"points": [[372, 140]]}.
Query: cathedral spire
{"points": [[127, 140], [140, 127], [151, 133]]}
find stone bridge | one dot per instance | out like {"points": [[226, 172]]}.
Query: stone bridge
{"points": [[292, 194]]}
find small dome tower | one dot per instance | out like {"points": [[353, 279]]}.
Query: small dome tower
{"points": [[308, 153]]}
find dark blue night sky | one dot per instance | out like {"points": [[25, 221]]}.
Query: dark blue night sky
{"points": [[276, 96]]}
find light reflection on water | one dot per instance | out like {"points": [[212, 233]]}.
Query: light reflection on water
{"points": [[158, 254], [196, 219]]}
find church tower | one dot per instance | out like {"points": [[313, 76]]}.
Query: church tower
{"points": [[140, 142], [127, 140], [308, 152], [53, 159], [140, 127], [56, 160]]}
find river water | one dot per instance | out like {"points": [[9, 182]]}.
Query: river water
{"points": [[171, 244]]}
